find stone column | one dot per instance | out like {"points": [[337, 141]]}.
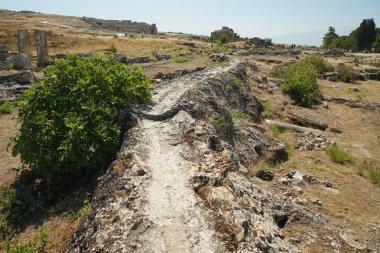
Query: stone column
{"points": [[4, 63], [23, 41], [42, 48], [3, 52]]}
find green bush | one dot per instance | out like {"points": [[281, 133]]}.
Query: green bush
{"points": [[31, 247], [338, 155], [319, 63], [179, 59], [6, 108], [280, 70], [346, 73], [69, 120], [113, 48], [301, 84], [222, 40]]}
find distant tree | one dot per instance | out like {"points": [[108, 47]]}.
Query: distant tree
{"points": [[366, 34], [376, 44], [329, 37], [223, 39]]}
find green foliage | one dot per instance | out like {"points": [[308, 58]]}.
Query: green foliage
{"points": [[219, 123], [371, 169], [280, 70], [329, 37], [319, 63], [366, 34], [238, 115], [6, 108], [31, 247], [362, 38], [69, 120], [179, 59], [301, 84], [338, 155], [376, 43], [83, 211], [16, 203], [237, 81], [346, 73], [223, 39], [113, 49]]}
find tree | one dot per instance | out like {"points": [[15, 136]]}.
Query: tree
{"points": [[376, 43], [70, 119], [366, 34], [329, 37]]}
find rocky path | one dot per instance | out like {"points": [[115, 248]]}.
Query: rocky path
{"points": [[179, 183]]}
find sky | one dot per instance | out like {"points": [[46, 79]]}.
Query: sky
{"points": [[285, 21]]}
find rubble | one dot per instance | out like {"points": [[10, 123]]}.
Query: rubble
{"points": [[312, 141]]}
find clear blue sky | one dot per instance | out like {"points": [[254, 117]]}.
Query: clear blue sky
{"points": [[283, 20]]}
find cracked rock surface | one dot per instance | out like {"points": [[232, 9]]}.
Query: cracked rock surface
{"points": [[180, 182]]}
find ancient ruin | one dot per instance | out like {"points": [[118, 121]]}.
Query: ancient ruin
{"points": [[228, 32], [124, 26], [4, 63], [23, 41], [42, 48]]}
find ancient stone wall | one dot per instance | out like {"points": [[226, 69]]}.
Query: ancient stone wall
{"points": [[125, 26], [228, 32]]}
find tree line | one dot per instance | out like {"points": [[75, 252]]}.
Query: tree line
{"points": [[364, 38]]}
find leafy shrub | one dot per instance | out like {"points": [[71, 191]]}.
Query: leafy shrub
{"points": [[301, 84], [31, 247], [113, 49], [237, 115], [69, 120], [338, 155], [346, 73], [319, 63], [6, 108], [18, 202], [179, 59], [280, 70], [222, 40]]}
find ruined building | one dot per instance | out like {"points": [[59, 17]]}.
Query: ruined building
{"points": [[123, 26], [228, 32]]}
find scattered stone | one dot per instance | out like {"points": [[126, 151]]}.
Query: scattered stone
{"points": [[284, 180], [214, 143], [354, 89], [22, 77], [5, 65], [293, 192], [190, 44], [20, 61], [317, 201], [336, 129], [328, 184], [311, 179], [163, 57], [307, 121], [331, 76], [42, 48], [312, 141], [138, 59], [58, 56], [351, 240], [218, 57], [265, 175]]}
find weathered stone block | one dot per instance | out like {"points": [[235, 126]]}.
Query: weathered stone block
{"points": [[23, 41], [3, 52], [4, 65], [20, 61], [42, 48]]}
